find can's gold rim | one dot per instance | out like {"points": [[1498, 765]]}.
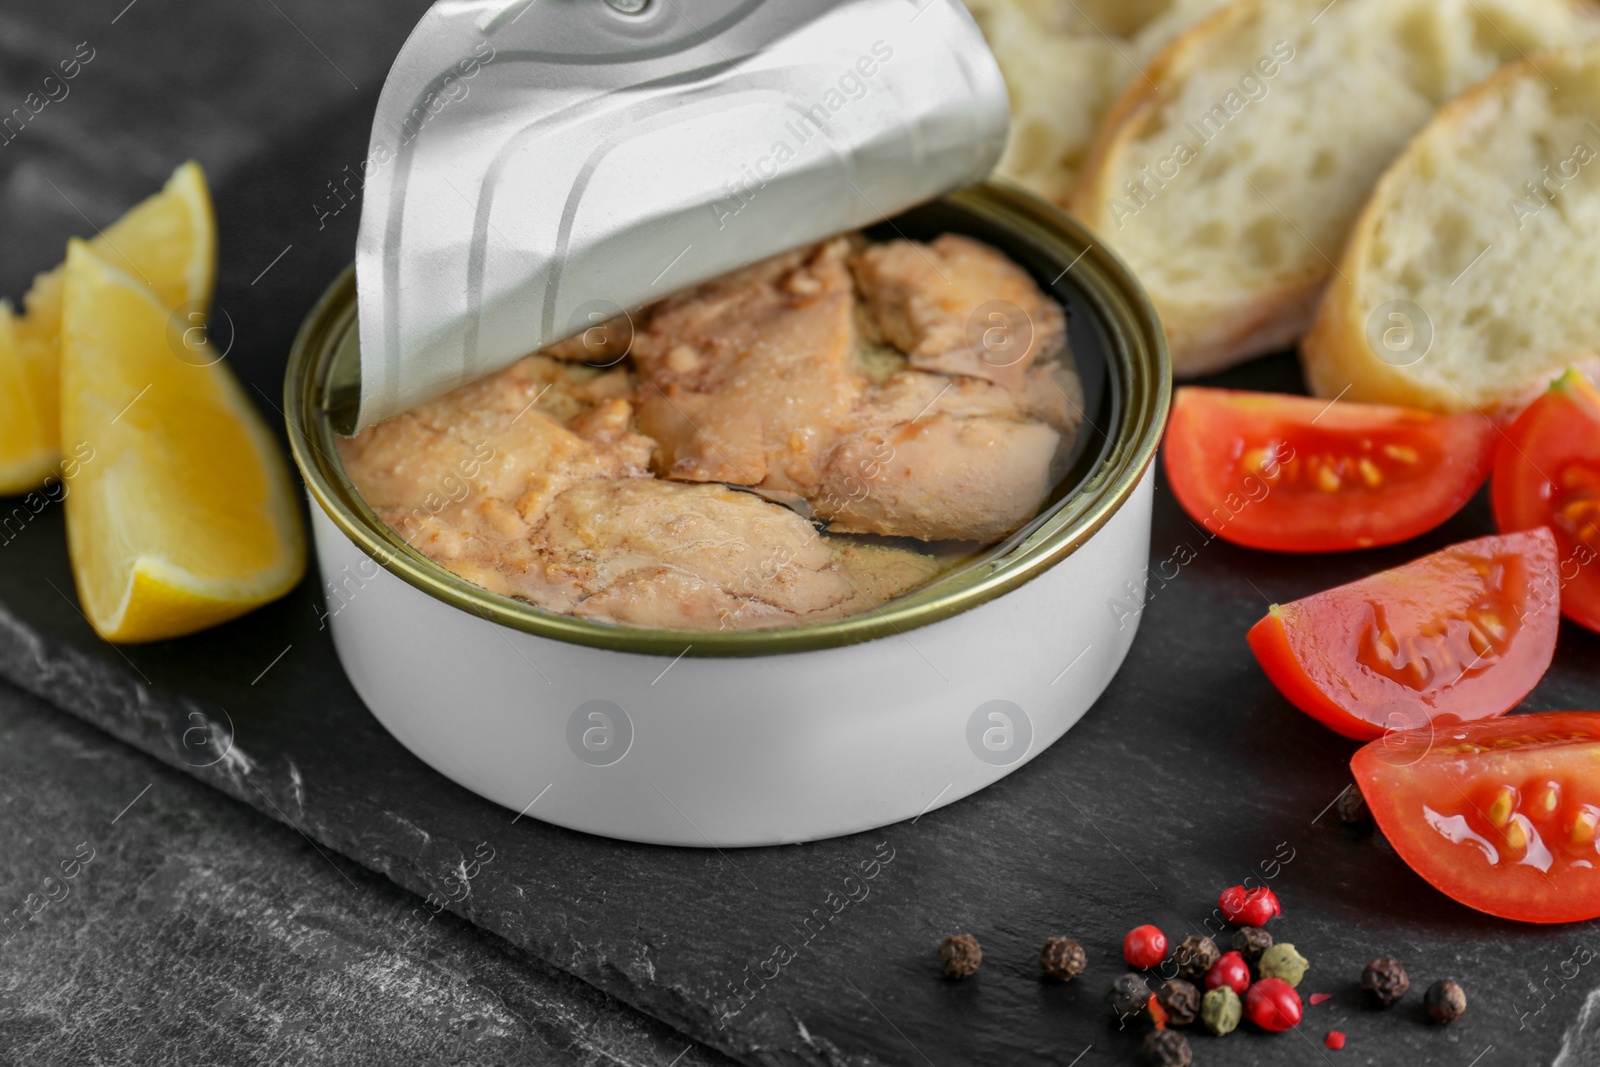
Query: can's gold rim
{"points": [[1136, 352]]}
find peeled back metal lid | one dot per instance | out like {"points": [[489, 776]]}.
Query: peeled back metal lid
{"points": [[538, 167]]}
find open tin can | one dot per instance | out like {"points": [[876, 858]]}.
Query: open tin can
{"points": [[772, 736]]}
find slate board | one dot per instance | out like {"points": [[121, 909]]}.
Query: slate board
{"points": [[204, 935], [1190, 774]]}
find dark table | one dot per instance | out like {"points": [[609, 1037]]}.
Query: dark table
{"points": [[201, 932]]}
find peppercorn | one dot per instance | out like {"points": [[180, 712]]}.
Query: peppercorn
{"points": [[1145, 946], [1194, 956], [1165, 1048], [1445, 1001], [1230, 970], [1273, 1005], [1221, 1010], [1062, 958], [1253, 907], [1282, 961], [1251, 941], [960, 955], [1352, 808], [1180, 1000], [1127, 996], [1384, 982]]}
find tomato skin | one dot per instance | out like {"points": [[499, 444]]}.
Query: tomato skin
{"points": [[1548, 474], [1436, 797], [1325, 477], [1384, 652]]}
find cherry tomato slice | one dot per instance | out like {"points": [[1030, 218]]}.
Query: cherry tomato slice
{"points": [[1548, 474], [1502, 815], [1459, 635], [1292, 474]]}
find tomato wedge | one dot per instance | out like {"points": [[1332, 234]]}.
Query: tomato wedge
{"points": [[1292, 474], [1501, 815], [1548, 474], [1459, 635]]}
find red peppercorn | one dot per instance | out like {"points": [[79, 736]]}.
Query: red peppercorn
{"points": [[1252, 907], [1335, 1040], [1145, 946], [1272, 1004], [1230, 970]]}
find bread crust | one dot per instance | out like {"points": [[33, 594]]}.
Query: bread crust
{"points": [[1207, 336], [1335, 355]]}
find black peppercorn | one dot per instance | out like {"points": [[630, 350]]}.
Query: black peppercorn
{"points": [[1062, 958], [1251, 941], [1195, 955], [1180, 1000], [1128, 997], [960, 955], [1384, 982], [1352, 808], [1445, 1002], [1165, 1048]]}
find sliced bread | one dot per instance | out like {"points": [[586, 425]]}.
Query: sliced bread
{"points": [[1468, 282], [1065, 62], [1229, 175]]}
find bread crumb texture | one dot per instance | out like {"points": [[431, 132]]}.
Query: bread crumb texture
{"points": [[1065, 62], [1230, 176], [1487, 229]]}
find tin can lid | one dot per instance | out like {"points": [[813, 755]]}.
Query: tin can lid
{"points": [[538, 167]]}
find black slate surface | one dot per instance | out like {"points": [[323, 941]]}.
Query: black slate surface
{"points": [[1190, 774], [203, 934]]}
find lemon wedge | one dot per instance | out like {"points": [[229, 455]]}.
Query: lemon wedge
{"points": [[181, 513], [27, 433], [170, 243]]}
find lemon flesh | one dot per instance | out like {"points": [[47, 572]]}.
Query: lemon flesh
{"points": [[27, 430], [180, 513], [169, 242]]}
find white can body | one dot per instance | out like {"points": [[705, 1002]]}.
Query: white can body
{"points": [[730, 751]]}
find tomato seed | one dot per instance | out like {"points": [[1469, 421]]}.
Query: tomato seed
{"points": [[1505, 802]]}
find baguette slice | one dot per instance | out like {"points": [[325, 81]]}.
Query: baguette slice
{"points": [[1065, 63], [1485, 234], [1230, 174]]}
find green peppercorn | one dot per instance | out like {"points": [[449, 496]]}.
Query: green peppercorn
{"points": [[1282, 961], [1194, 956], [960, 955], [1251, 941], [1221, 1010], [1445, 1001], [1165, 1048]]}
